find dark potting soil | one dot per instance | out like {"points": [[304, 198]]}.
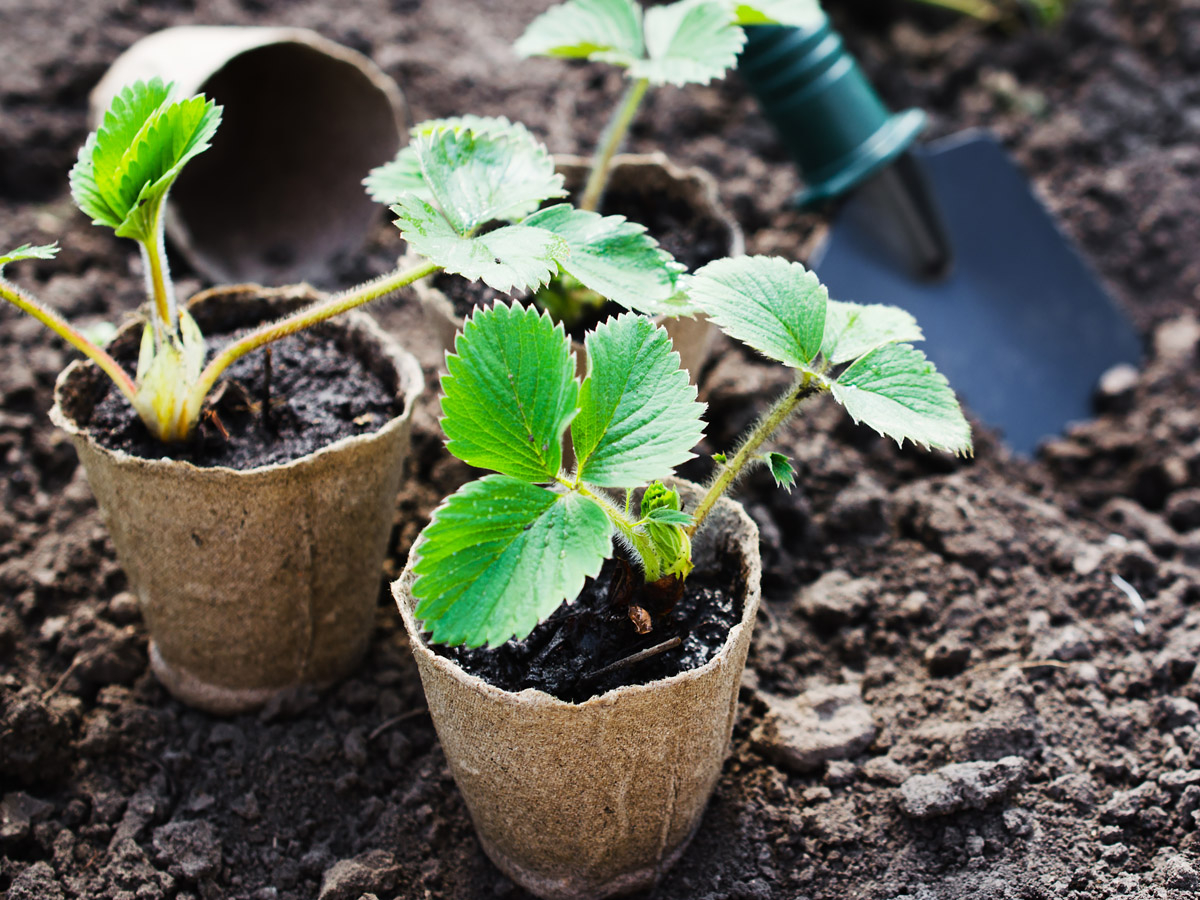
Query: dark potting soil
{"points": [[570, 654], [969, 604], [317, 394]]}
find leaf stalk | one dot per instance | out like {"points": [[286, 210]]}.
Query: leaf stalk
{"points": [[158, 282], [298, 321], [59, 326], [639, 540], [806, 385], [610, 143]]}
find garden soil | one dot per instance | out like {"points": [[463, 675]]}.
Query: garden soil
{"points": [[985, 712]]}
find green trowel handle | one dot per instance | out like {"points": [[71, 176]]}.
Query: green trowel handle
{"points": [[826, 112]]}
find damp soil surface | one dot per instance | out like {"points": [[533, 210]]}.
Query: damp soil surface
{"points": [[272, 406], [919, 614], [593, 645]]}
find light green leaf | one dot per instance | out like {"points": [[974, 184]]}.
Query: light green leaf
{"points": [[852, 329], [510, 393], [599, 30], [664, 516], [781, 470], [403, 175], [500, 555], [476, 177], [514, 257], [388, 183], [638, 416], [126, 167], [775, 306], [615, 258], [28, 251], [799, 13], [689, 42], [898, 392]]}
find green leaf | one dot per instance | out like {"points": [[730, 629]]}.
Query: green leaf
{"points": [[500, 555], [599, 30], [800, 13], [28, 251], [664, 516], [403, 175], [775, 306], [479, 176], [898, 392], [510, 393], [614, 257], [852, 329], [126, 167], [388, 183], [638, 416], [514, 257], [689, 42], [781, 470]]}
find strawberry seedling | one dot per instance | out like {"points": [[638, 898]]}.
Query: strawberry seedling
{"points": [[503, 552], [686, 42]]}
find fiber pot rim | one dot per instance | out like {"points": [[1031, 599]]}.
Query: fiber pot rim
{"points": [[411, 385], [402, 595]]}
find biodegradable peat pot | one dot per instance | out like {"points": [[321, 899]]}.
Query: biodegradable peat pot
{"points": [[278, 198], [658, 184], [251, 581], [586, 800]]}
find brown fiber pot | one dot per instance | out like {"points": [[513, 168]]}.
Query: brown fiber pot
{"points": [[597, 798], [257, 580], [651, 173]]}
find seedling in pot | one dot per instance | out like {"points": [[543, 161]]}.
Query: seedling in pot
{"points": [[476, 171], [503, 552], [686, 42], [606, 258]]}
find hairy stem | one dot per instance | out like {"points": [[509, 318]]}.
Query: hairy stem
{"points": [[610, 142], [641, 543], [298, 321], [158, 282], [805, 385], [63, 329]]}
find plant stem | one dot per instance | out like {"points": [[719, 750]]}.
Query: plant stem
{"points": [[640, 542], [158, 282], [297, 321], [610, 142], [63, 329], [805, 385], [976, 9]]}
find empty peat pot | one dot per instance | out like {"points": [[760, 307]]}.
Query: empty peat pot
{"points": [[670, 194], [254, 580], [592, 799], [278, 198]]}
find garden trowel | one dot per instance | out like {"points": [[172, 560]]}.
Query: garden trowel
{"points": [[950, 231]]}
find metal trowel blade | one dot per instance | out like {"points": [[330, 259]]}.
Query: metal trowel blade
{"points": [[1018, 323]]}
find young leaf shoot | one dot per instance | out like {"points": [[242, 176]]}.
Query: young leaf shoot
{"points": [[504, 552], [686, 42], [574, 258], [472, 173]]}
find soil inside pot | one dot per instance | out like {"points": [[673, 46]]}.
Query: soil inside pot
{"points": [[570, 654], [317, 392], [693, 240]]}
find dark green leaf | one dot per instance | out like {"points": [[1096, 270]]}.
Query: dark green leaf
{"points": [[510, 393], [500, 555]]}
